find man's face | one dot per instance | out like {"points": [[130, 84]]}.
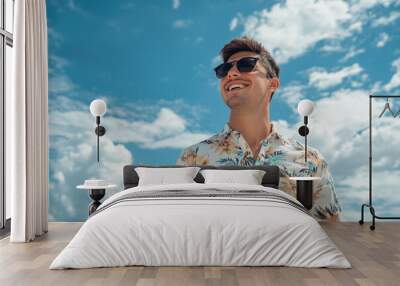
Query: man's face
{"points": [[253, 89]]}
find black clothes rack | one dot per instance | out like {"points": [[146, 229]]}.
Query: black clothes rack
{"points": [[370, 205]]}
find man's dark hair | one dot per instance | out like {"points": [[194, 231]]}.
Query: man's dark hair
{"points": [[250, 45]]}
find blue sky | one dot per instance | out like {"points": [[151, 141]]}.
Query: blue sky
{"points": [[152, 62]]}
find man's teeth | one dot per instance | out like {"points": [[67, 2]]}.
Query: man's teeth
{"points": [[235, 86]]}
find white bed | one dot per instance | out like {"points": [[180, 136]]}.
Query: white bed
{"points": [[271, 229]]}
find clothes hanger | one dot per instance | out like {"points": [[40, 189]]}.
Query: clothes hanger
{"points": [[387, 107], [397, 113]]}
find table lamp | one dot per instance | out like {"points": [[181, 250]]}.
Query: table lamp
{"points": [[305, 108], [98, 108]]}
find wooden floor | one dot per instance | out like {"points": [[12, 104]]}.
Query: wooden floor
{"points": [[374, 255]]}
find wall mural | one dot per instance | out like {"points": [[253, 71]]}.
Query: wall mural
{"points": [[152, 63]]}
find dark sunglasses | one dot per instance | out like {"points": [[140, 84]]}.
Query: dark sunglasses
{"points": [[246, 64]]}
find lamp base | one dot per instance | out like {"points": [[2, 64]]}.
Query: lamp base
{"points": [[96, 195], [100, 130], [304, 193], [303, 130]]}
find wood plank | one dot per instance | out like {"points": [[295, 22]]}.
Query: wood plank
{"points": [[374, 255]]}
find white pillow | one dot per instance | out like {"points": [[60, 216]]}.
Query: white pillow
{"points": [[249, 177], [162, 176]]}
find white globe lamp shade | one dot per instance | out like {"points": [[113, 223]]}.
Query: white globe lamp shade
{"points": [[305, 107], [98, 107]]}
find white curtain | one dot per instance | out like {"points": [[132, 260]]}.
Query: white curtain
{"points": [[28, 123]]}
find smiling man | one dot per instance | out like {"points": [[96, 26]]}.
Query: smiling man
{"points": [[249, 76]]}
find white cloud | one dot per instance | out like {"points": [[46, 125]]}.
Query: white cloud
{"points": [[360, 81], [59, 176], [73, 141], [55, 37], [176, 4], [284, 128], [144, 112], [335, 123], [71, 5], [58, 81], [159, 133], [181, 24], [362, 5], [74, 160], [311, 22], [353, 51], [181, 140], [60, 84], [233, 24], [216, 61], [290, 39], [339, 129], [322, 79], [385, 21], [165, 127], [73, 148], [332, 47], [73, 157], [292, 94], [58, 62], [395, 80], [383, 39]]}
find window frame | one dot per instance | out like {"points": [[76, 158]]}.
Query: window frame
{"points": [[6, 39]]}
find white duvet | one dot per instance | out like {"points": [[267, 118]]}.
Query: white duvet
{"points": [[200, 231]]}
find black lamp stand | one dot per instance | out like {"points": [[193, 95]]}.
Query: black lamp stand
{"points": [[303, 131], [96, 195], [304, 193], [100, 131], [304, 188]]}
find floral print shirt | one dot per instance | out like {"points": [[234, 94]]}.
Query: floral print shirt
{"points": [[230, 148]]}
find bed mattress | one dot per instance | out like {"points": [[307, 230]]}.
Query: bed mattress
{"points": [[201, 225]]}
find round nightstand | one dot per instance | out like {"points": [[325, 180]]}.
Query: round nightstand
{"points": [[304, 190], [96, 193]]}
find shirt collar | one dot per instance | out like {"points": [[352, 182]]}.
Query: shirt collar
{"points": [[274, 131]]}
